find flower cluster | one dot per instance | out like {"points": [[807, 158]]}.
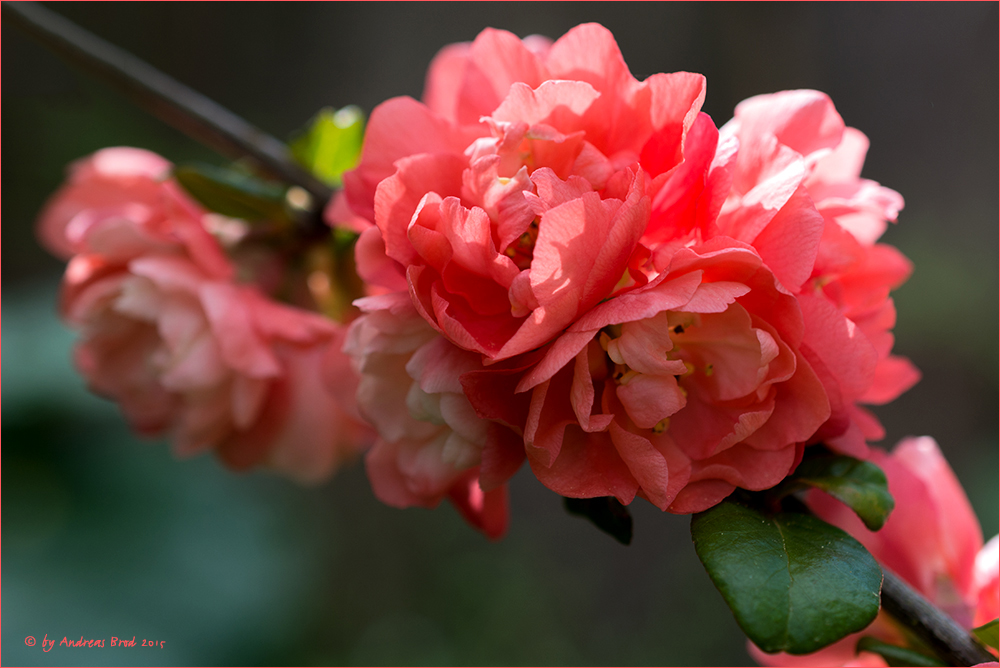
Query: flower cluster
{"points": [[563, 264], [184, 348], [583, 271]]}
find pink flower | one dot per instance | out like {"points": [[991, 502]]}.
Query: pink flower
{"points": [[986, 581], [94, 187], [798, 198], [661, 309], [431, 439], [513, 201], [679, 390], [168, 334], [932, 540]]}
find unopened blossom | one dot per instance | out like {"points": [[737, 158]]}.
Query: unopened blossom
{"points": [[932, 540], [430, 438], [167, 333]]}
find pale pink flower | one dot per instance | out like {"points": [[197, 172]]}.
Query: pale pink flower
{"points": [[430, 438], [96, 183], [183, 349], [513, 201], [932, 540], [798, 197]]}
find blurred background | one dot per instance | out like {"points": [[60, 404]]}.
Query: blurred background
{"points": [[106, 535]]}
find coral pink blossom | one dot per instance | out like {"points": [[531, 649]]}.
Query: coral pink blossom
{"points": [[182, 348], [661, 309], [680, 390], [513, 201], [986, 581], [431, 439], [95, 187], [932, 540], [797, 197]]}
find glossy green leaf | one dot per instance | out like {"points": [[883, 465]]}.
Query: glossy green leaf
{"points": [[332, 143], [233, 193], [895, 656], [859, 484], [794, 583], [988, 634], [607, 513]]}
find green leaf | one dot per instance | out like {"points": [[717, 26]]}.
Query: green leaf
{"points": [[794, 583], [234, 193], [987, 634], [607, 513], [332, 144], [895, 656], [859, 484]]}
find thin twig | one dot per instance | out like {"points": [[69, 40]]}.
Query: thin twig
{"points": [[942, 633], [187, 110]]}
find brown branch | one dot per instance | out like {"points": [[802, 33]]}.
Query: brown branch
{"points": [[187, 110], [940, 632]]}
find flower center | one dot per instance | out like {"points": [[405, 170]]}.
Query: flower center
{"points": [[522, 250]]}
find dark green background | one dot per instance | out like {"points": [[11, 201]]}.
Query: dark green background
{"points": [[105, 535]]}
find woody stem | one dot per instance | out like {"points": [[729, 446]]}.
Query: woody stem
{"points": [[192, 113], [929, 623]]}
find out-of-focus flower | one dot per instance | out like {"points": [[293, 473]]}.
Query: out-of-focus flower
{"points": [[986, 580], [168, 334], [431, 439], [95, 187], [932, 540]]}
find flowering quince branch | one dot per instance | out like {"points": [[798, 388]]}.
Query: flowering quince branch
{"points": [[558, 264]]}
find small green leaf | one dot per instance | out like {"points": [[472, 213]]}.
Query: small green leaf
{"points": [[794, 583], [859, 484], [332, 144], [607, 513], [987, 634], [895, 656], [233, 193]]}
